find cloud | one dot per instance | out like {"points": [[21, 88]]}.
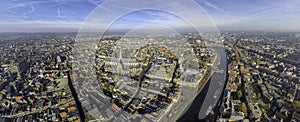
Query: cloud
{"points": [[21, 10], [96, 2], [26, 4], [176, 13], [58, 12], [32, 9], [62, 13], [261, 14], [215, 7]]}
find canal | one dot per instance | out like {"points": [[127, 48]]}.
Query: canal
{"points": [[210, 95]]}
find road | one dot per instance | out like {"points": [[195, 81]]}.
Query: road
{"points": [[141, 78]]}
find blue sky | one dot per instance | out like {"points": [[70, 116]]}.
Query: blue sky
{"points": [[69, 15]]}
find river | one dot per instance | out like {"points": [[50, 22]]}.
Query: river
{"points": [[210, 94]]}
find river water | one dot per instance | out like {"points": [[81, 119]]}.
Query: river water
{"points": [[210, 94]]}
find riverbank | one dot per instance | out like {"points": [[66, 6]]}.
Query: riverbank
{"points": [[211, 93]]}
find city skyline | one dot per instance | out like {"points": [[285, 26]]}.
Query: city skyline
{"points": [[69, 15]]}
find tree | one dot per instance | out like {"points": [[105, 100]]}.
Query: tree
{"points": [[258, 95], [48, 61], [239, 94], [243, 108], [296, 105]]}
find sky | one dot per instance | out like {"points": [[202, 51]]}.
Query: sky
{"points": [[71, 15]]}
